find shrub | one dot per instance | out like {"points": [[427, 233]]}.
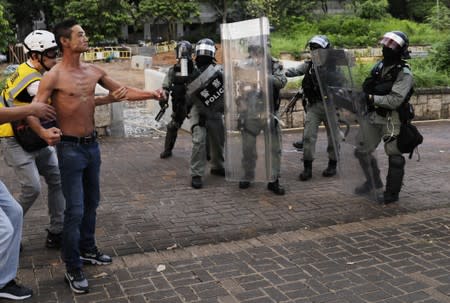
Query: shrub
{"points": [[440, 56], [372, 9]]}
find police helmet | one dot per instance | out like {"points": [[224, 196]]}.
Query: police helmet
{"points": [[41, 41], [205, 47], [319, 41], [255, 49], [397, 41], [183, 49]]}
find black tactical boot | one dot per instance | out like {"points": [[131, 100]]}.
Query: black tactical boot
{"points": [[276, 187], [53, 240], [166, 154], [367, 187], [196, 182], [298, 144], [307, 172], [390, 197], [244, 184], [394, 179], [330, 171], [169, 143], [218, 172]]}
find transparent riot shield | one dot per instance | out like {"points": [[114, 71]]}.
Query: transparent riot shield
{"points": [[347, 118], [248, 107]]}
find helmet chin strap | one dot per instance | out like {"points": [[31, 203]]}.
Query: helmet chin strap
{"points": [[41, 61]]}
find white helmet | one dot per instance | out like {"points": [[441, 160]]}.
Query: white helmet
{"points": [[39, 41]]}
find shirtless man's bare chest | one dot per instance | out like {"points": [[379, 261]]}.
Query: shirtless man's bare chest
{"points": [[73, 98]]}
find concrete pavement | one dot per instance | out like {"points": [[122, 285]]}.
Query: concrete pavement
{"points": [[221, 244]]}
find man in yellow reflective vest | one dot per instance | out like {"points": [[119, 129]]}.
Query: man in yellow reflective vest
{"points": [[21, 87]]}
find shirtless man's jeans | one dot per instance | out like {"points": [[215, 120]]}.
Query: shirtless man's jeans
{"points": [[80, 169]]}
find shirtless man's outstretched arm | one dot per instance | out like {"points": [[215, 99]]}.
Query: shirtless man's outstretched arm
{"points": [[71, 87]]}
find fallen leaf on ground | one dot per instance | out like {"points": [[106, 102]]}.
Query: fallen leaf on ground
{"points": [[160, 268]]}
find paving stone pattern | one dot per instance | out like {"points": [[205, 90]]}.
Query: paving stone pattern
{"points": [[400, 259], [148, 205]]}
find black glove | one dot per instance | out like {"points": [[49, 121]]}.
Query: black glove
{"points": [[369, 103], [163, 103]]}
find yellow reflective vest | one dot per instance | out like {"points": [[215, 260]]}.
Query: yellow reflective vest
{"points": [[15, 84]]}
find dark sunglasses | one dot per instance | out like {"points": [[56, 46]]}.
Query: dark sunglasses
{"points": [[51, 53]]}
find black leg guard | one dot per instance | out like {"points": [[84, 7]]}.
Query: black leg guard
{"points": [[371, 171], [171, 137], [394, 179]]}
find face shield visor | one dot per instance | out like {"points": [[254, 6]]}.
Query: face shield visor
{"points": [[204, 49], [393, 41], [317, 42], [183, 52]]}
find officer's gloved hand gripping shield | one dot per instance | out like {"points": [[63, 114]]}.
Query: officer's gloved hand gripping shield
{"points": [[248, 100], [346, 109]]}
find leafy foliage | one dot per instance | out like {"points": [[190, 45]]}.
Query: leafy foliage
{"points": [[372, 9], [439, 17], [170, 12], [99, 18], [6, 33], [416, 10], [440, 56]]}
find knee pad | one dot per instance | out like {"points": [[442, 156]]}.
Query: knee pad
{"points": [[360, 154], [397, 161], [173, 126]]}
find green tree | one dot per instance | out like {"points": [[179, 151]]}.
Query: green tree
{"points": [[279, 12], [222, 7], [372, 9], [22, 13], [169, 12], [259, 8], [6, 34], [416, 10], [101, 19], [439, 17]]}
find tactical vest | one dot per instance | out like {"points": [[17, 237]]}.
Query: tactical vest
{"points": [[310, 85], [381, 85], [15, 88], [178, 83]]}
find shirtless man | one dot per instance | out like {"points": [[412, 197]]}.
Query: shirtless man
{"points": [[71, 85]]}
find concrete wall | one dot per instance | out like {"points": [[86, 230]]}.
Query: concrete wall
{"points": [[429, 104]]}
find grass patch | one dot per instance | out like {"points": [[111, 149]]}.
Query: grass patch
{"points": [[354, 32]]}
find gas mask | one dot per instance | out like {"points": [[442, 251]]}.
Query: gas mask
{"points": [[390, 56]]}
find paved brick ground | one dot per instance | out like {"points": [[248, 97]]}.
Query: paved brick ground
{"points": [[405, 258], [148, 205]]}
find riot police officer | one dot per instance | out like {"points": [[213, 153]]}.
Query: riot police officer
{"points": [[206, 92], [175, 83], [252, 125], [389, 86], [315, 112]]}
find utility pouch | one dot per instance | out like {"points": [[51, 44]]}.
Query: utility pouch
{"points": [[27, 138], [408, 138]]}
